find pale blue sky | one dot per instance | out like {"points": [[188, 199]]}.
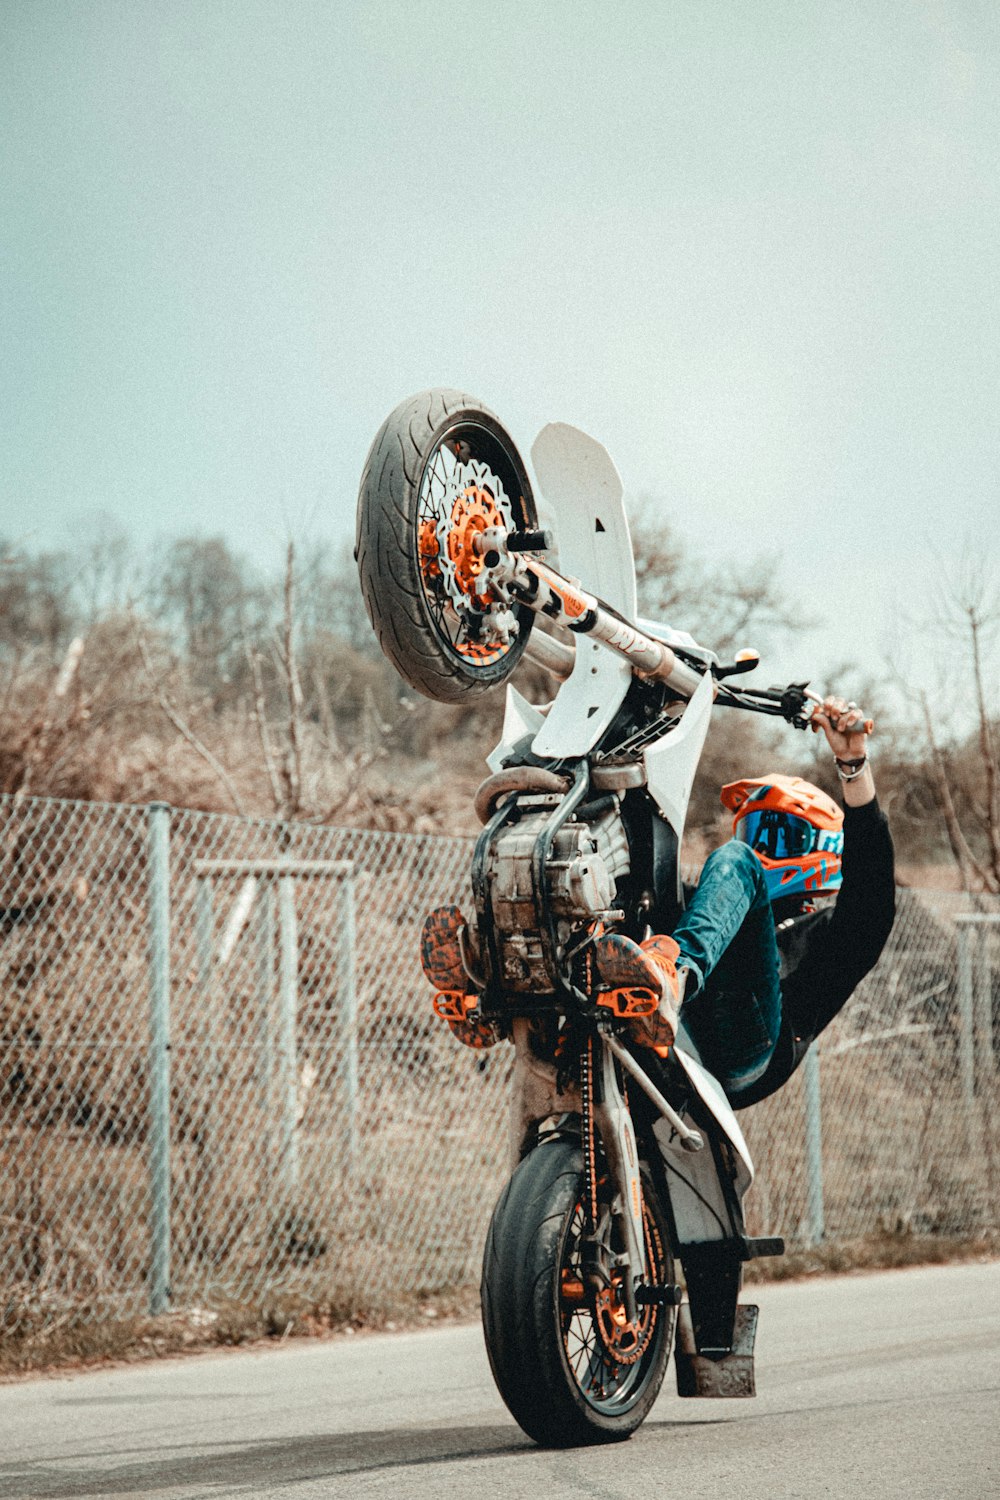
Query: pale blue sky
{"points": [[752, 247]]}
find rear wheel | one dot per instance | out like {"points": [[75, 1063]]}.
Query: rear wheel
{"points": [[568, 1363], [441, 470]]}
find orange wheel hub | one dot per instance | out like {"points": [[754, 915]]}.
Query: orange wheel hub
{"points": [[474, 512]]}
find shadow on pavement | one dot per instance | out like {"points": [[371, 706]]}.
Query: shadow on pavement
{"points": [[282, 1461]]}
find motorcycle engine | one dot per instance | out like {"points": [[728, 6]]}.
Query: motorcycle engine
{"points": [[588, 860]]}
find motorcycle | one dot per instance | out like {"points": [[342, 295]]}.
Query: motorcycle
{"points": [[628, 1163]]}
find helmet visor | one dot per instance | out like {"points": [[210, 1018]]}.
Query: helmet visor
{"points": [[778, 835]]}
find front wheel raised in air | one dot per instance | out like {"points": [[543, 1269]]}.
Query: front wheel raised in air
{"points": [[441, 471], [567, 1362]]}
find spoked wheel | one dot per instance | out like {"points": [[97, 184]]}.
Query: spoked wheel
{"points": [[568, 1363], [441, 471]]}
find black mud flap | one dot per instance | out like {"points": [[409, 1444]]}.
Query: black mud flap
{"points": [[726, 1375]]}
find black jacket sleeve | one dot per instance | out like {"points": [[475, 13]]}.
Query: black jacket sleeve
{"points": [[834, 952], [839, 953]]}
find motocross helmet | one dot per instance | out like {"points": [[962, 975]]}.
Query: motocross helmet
{"points": [[795, 830]]}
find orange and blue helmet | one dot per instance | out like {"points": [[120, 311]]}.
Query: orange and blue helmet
{"points": [[795, 830]]}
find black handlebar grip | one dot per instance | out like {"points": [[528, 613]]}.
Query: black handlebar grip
{"points": [[863, 726]]}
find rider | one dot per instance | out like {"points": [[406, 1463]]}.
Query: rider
{"points": [[759, 962]]}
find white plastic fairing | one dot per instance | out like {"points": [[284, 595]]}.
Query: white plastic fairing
{"points": [[520, 718], [672, 761], [583, 492], [586, 703], [712, 1095]]}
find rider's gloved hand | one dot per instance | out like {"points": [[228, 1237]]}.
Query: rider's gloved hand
{"points": [[844, 725]]}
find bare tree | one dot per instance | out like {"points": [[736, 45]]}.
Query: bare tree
{"points": [[180, 723], [720, 604], [35, 600], [51, 723], [105, 568], [207, 596], [965, 773], [263, 727], [291, 767], [329, 598]]}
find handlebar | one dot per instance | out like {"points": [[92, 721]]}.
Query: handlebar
{"points": [[796, 704], [511, 558]]}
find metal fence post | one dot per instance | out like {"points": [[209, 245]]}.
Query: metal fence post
{"points": [[349, 1010], [966, 1035], [984, 1010], [212, 1074], [159, 1053], [265, 989], [288, 999], [814, 1147]]}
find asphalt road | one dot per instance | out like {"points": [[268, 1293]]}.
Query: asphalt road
{"points": [[873, 1386]]}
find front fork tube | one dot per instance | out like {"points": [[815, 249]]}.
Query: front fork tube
{"points": [[614, 1125]]}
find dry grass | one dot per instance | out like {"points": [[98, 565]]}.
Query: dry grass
{"points": [[78, 1340], [883, 1251]]}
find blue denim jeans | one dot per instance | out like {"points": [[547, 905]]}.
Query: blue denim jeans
{"points": [[727, 941]]}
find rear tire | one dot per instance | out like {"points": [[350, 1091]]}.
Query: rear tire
{"points": [[549, 1364], [431, 450]]}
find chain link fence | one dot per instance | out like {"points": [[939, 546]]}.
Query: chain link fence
{"points": [[221, 1081]]}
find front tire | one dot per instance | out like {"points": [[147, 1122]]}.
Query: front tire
{"points": [[441, 468], [550, 1363]]}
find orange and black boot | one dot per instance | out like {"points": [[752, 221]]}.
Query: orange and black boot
{"points": [[644, 978], [441, 959]]}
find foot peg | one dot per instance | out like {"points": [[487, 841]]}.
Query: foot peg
{"points": [[659, 1296], [771, 1244], [718, 1373]]}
